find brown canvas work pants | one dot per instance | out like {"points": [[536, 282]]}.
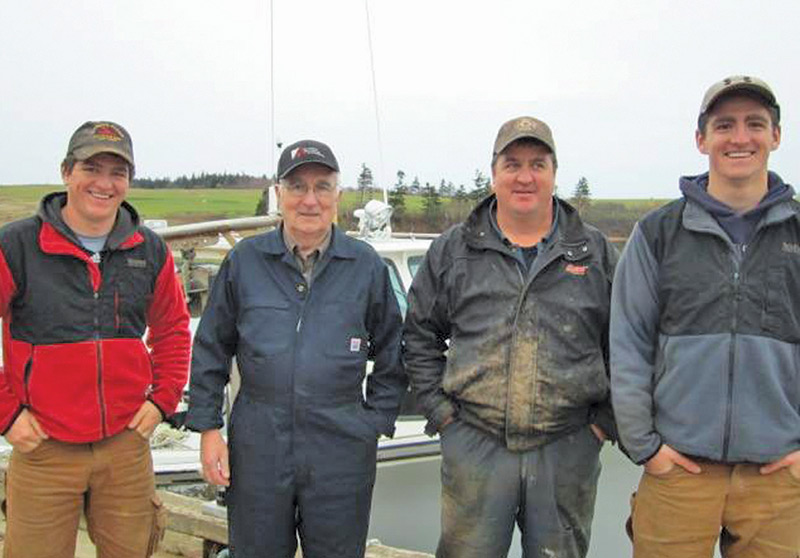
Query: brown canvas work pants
{"points": [[111, 481], [682, 515]]}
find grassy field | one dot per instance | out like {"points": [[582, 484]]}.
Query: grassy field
{"points": [[179, 206]]}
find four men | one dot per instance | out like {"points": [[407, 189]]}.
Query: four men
{"points": [[705, 346], [302, 308], [520, 395], [80, 393], [506, 345]]}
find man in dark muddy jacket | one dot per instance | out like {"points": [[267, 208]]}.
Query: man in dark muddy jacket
{"points": [[302, 308], [705, 338], [520, 397]]}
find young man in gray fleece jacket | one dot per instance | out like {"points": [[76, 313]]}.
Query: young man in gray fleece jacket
{"points": [[705, 346]]}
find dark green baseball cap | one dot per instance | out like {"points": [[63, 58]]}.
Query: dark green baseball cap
{"points": [[523, 127], [96, 137], [740, 83]]}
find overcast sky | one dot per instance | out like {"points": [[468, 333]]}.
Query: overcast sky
{"points": [[619, 81]]}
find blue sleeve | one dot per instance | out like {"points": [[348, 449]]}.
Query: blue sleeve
{"points": [[213, 349], [387, 383], [633, 343]]}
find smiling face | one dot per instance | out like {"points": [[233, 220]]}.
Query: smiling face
{"points": [[523, 179], [738, 139], [96, 187], [308, 199]]}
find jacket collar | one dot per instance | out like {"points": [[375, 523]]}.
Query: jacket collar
{"points": [[57, 237], [479, 233], [341, 245]]}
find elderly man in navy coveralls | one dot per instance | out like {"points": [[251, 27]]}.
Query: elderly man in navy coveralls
{"points": [[302, 308]]}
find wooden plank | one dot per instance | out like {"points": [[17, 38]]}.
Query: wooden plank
{"points": [[185, 515]]}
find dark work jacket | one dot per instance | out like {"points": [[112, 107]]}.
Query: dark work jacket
{"points": [[527, 355], [302, 352], [705, 336]]}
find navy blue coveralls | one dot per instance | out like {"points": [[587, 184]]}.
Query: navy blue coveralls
{"points": [[302, 434]]}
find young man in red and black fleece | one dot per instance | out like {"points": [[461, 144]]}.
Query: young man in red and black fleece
{"points": [[80, 392]]}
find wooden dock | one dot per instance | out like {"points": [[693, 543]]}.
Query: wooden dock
{"points": [[194, 534]]}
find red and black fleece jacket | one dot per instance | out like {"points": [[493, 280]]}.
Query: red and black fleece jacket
{"points": [[73, 352]]}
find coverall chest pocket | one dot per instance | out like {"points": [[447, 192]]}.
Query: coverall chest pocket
{"points": [[266, 326], [344, 333]]}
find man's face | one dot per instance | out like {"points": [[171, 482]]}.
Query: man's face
{"points": [[308, 199], [738, 139], [95, 189], [523, 178]]}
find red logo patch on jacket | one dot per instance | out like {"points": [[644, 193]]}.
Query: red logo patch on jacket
{"points": [[579, 270]]}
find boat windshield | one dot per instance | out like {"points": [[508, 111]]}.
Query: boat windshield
{"points": [[397, 286], [413, 264]]}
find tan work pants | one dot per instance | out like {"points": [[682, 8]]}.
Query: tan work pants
{"points": [[681, 515], [111, 480]]}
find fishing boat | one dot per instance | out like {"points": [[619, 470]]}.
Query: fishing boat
{"points": [[175, 451]]}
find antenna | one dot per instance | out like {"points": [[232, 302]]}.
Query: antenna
{"points": [[377, 113], [272, 94]]}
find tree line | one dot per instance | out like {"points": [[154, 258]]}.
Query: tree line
{"points": [[443, 203], [205, 180]]}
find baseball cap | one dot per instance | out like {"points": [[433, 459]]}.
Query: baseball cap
{"points": [[523, 127], [304, 152], [100, 137], [740, 83]]}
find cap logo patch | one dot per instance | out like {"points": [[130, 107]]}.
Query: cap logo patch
{"points": [[305, 152], [107, 132], [526, 125], [578, 270]]}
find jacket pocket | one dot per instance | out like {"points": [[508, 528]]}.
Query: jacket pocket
{"points": [[127, 375], [158, 527], [345, 335], [780, 314], [63, 387], [266, 326]]}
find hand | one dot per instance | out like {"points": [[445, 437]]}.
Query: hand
{"points": [[25, 434], [597, 431], [146, 419], [791, 460], [214, 456], [447, 422], [666, 458]]}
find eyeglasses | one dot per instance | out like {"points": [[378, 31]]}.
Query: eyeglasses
{"points": [[323, 190]]}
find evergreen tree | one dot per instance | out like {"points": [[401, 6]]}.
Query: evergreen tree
{"points": [[365, 181], [401, 179], [431, 204], [482, 186], [446, 189], [581, 195], [397, 197]]}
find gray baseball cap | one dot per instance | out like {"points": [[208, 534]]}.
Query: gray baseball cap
{"points": [[740, 83], [523, 127], [92, 138]]}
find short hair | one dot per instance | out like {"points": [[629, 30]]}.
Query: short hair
{"points": [[774, 115], [69, 163], [527, 141], [285, 179]]}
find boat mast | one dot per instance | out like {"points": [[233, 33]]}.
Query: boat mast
{"points": [[377, 112]]}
